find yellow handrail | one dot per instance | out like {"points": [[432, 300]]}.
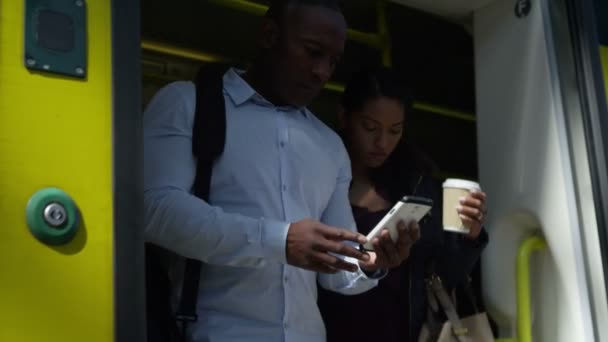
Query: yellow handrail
{"points": [[604, 62], [524, 323], [383, 34], [243, 6], [522, 270], [176, 51], [373, 40], [380, 40], [451, 113]]}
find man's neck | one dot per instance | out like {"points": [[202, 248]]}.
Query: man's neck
{"points": [[258, 78]]}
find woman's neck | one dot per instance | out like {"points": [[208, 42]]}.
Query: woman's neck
{"points": [[360, 173], [363, 192]]}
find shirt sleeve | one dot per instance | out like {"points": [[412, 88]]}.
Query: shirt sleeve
{"points": [[338, 213], [181, 222]]}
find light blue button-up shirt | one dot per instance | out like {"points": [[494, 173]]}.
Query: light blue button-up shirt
{"points": [[279, 165]]}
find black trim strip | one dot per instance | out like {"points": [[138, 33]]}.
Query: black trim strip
{"points": [[601, 20], [129, 293]]}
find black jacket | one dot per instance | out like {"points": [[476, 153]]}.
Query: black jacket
{"points": [[450, 255]]}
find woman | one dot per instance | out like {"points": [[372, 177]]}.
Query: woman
{"points": [[385, 167]]}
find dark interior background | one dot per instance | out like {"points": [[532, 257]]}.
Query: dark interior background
{"points": [[435, 55]]}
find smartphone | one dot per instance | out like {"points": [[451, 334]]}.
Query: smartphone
{"points": [[408, 208]]}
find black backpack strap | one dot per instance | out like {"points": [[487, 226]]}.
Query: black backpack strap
{"points": [[186, 312], [208, 138], [209, 134], [161, 326]]}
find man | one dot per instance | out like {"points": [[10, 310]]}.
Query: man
{"points": [[281, 174]]}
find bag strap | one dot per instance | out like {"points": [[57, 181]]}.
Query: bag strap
{"points": [[438, 296], [208, 139], [209, 132], [468, 290]]}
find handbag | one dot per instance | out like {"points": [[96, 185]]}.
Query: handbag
{"points": [[473, 328]]}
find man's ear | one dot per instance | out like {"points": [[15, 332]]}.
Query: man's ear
{"points": [[269, 34]]}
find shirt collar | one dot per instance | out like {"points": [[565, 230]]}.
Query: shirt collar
{"points": [[236, 87], [241, 92]]}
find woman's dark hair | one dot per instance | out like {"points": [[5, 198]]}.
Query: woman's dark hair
{"points": [[400, 173]]}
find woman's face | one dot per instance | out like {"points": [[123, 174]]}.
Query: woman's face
{"points": [[375, 131]]}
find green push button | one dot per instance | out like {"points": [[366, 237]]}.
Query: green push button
{"points": [[52, 216]]}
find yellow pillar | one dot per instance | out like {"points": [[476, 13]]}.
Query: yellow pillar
{"points": [[56, 131]]}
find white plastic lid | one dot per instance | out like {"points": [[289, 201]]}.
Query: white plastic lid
{"points": [[461, 184]]}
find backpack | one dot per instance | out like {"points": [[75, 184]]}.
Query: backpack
{"points": [[208, 138]]}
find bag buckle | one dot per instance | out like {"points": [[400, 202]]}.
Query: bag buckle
{"points": [[460, 331], [186, 317]]}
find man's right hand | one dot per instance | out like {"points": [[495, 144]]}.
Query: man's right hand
{"points": [[309, 243]]}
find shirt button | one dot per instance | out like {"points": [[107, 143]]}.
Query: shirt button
{"points": [[285, 279], [282, 144], [284, 187], [285, 325]]}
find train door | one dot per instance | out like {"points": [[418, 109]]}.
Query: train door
{"points": [[542, 141], [71, 251]]}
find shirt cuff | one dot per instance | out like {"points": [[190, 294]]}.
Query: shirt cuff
{"points": [[377, 274], [274, 239]]}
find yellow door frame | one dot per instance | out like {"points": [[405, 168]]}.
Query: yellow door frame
{"points": [[81, 135]]}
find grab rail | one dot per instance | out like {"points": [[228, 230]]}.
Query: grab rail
{"points": [[522, 270]]}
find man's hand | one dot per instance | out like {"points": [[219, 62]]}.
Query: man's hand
{"points": [[388, 254], [309, 244], [472, 211]]}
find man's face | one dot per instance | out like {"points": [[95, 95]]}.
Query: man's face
{"points": [[309, 44]]}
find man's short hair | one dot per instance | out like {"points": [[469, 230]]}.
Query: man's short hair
{"points": [[278, 8]]}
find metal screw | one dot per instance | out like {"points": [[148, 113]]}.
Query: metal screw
{"points": [[55, 214], [79, 3], [80, 71], [46, 67], [30, 62]]}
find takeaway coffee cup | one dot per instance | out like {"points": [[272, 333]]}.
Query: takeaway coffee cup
{"points": [[453, 190]]}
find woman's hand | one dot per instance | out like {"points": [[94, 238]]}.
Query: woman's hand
{"points": [[388, 254], [472, 211]]}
